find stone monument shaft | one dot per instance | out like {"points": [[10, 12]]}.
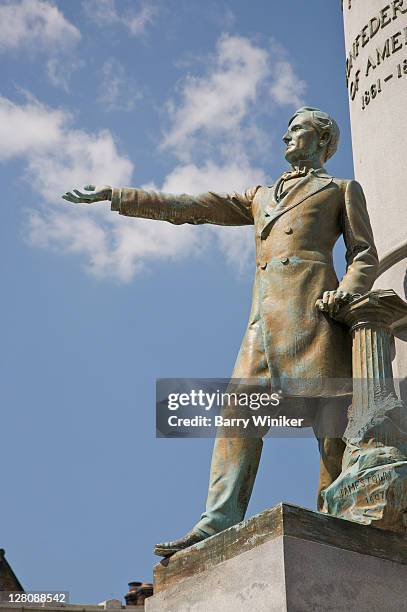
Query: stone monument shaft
{"points": [[376, 74]]}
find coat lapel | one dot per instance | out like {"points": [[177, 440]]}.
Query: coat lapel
{"points": [[306, 187]]}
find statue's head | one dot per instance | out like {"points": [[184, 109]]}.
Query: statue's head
{"points": [[311, 135]]}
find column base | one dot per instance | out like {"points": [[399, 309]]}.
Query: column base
{"points": [[372, 487]]}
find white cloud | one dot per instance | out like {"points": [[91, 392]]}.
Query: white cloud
{"points": [[233, 176], [216, 109], [29, 128], [56, 152], [114, 247], [78, 158], [58, 157], [137, 242], [35, 24], [60, 71], [39, 26], [101, 12], [118, 91], [212, 120], [105, 12], [217, 103], [137, 23], [287, 88]]}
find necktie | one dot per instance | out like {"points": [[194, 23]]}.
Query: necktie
{"points": [[294, 174]]}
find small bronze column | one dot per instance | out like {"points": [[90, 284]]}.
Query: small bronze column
{"points": [[372, 487]]}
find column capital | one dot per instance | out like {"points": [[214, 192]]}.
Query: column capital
{"points": [[379, 308]]}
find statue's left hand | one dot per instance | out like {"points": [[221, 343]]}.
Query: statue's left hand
{"points": [[331, 301], [93, 194]]}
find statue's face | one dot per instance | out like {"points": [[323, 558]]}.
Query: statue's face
{"points": [[301, 139]]}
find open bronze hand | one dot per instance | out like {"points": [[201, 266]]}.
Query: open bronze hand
{"points": [[93, 194], [331, 301]]}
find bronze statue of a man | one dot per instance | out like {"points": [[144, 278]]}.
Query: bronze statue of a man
{"points": [[291, 334]]}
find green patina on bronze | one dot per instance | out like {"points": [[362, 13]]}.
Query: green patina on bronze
{"points": [[372, 486], [291, 340]]}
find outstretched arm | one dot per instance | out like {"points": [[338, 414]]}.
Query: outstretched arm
{"points": [[210, 207]]}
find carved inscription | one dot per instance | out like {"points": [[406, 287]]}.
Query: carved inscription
{"points": [[348, 3], [379, 53], [366, 483]]}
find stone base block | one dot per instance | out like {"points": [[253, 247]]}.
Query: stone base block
{"points": [[286, 559]]}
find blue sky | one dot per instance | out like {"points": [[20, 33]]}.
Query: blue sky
{"points": [[178, 95]]}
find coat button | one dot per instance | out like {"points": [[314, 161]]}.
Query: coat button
{"points": [[284, 260], [263, 266], [288, 230]]}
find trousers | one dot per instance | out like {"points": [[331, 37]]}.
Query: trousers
{"points": [[235, 461]]}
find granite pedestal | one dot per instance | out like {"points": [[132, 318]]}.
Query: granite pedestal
{"points": [[376, 70], [286, 559]]}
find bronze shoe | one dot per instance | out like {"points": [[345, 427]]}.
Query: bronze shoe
{"points": [[170, 548]]}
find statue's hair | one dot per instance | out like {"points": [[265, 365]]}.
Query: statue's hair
{"points": [[322, 123]]}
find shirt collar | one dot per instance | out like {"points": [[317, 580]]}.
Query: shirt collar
{"points": [[301, 172]]}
